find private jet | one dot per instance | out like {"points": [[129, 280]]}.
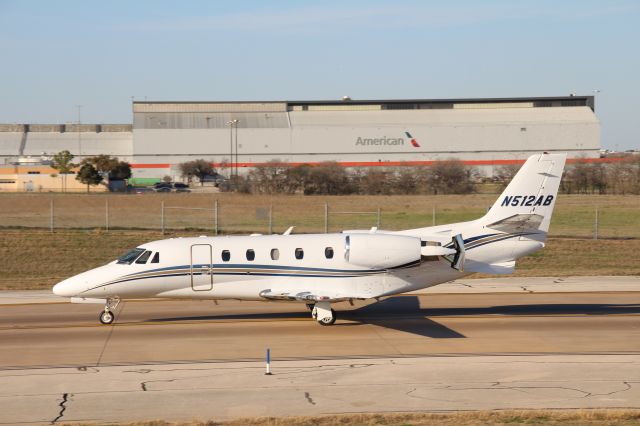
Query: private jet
{"points": [[322, 269]]}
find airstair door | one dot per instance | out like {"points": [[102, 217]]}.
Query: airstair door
{"points": [[201, 267]]}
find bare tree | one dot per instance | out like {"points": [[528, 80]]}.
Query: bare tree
{"points": [[503, 174], [451, 177]]}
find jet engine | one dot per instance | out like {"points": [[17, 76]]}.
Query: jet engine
{"points": [[380, 251]]}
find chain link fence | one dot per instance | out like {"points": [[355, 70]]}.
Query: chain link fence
{"points": [[575, 216]]}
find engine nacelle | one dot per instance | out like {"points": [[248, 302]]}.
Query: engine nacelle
{"points": [[380, 251]]}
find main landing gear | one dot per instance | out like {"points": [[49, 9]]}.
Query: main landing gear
{"points": [[106, 317], [323, 313]]}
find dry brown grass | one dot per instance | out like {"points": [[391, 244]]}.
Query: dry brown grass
{"points": [[470, 418], [33, 259]]}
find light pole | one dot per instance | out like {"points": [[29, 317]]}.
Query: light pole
{"points": [[236, 123], [231, 123], [79, 136]]}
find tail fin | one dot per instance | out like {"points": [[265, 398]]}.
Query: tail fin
{"points": [[528, 200]]}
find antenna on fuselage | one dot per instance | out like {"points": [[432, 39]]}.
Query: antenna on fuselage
{"points": [[289, 230]]}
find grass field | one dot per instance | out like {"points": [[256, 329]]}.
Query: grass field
{"points": [[33, 258], [36, 259], [470, 418], [619, 216]]}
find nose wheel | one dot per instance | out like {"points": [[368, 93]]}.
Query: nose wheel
{"points": [[323, 313], [107, 317]]}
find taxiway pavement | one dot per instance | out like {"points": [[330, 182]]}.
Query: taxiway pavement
{"points": [[578, 347]]}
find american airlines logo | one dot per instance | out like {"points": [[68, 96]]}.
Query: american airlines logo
{"points": [[526, 200], [386, 141], [414, 142]]}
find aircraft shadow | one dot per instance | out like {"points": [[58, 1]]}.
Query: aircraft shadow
{"points": [[404, 313], [401, 314]]}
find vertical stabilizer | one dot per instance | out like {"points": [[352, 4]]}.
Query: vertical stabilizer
{"points": [[531, 195]]}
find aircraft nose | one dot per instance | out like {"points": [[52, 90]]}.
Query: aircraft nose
{"points": [[65, 288]]}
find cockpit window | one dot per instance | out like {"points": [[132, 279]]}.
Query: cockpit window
{"points": [[130, 256], [145, 256], [156, 258]]}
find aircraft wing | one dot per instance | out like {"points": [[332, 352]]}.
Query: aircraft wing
{"points": [[303, 296]]}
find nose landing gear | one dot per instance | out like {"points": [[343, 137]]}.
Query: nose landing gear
{"points": [[323, 313], [107, 317]]}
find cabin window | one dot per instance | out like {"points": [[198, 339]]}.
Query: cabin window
{"points": [[328, 252], [145, 256], [156, 258], [130, 256], [226, 255], [275, 254], [251, 255], [299, 253]]}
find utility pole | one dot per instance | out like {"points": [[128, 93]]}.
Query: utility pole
{"points": [[231, 123], [236, 123]]}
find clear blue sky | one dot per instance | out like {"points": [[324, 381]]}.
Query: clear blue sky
{"points": [[58, 54]]}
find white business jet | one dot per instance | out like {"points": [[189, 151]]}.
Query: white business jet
{"points": [[321, 269]]}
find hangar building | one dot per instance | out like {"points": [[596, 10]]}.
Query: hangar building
{"points": [[356, 133]]}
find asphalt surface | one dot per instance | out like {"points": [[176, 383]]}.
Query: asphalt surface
{"points": [[538, 345], [64, 334]]}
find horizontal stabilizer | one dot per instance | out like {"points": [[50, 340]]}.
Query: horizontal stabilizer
{"points": [[518, 223]]}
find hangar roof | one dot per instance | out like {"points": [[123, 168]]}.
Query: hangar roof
{"points": [[370, 104]]}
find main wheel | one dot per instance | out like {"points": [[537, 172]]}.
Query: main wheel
{"points": [[106, 317], [328, 320]]}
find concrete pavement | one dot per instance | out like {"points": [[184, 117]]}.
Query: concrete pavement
{"points": [[219, 391]]}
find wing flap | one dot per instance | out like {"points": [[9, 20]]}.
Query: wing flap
{"points": [[302, 296]]}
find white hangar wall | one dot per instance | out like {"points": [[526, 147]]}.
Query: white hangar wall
{"points": [[482, 132], [365, 133]]}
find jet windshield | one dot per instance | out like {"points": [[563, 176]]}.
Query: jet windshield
{"points": [[129, 257]]}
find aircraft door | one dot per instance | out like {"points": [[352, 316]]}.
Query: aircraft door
{"points": [[201, 267]]}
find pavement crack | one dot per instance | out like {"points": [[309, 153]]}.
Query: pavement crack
{"points": [[309, 399], [628, 387], [63, 407]]}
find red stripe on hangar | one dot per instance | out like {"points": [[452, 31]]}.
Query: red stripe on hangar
{"points": [[381, 163]]}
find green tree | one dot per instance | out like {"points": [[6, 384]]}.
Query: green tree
{"points": [[62, 162], [102, 163], [197, 168], [89, 175], [120, 171]]}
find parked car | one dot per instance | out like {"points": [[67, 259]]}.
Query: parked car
{"points": [[216, 178], [181, 187], [140, 190]]}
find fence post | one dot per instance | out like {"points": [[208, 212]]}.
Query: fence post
{"points": [[51, 216], [162, 217], [326, 218], [378, 221], [270, 219], [215, 216], [595, 228], [106, 212], [433, 215]]}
